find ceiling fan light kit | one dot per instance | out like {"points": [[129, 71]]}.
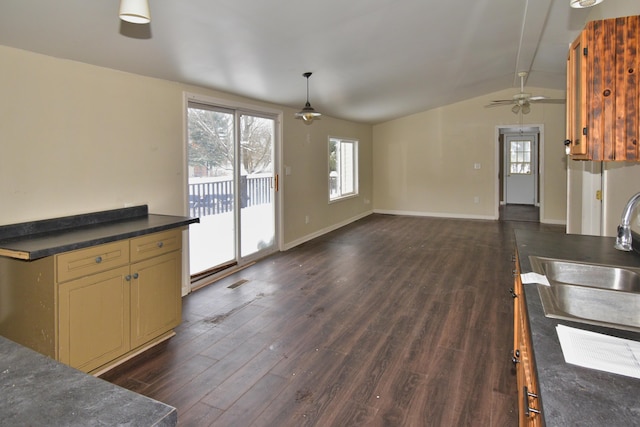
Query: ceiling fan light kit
{"points": [[580, 4], [307, 114], [135, 11], [522, 101]]}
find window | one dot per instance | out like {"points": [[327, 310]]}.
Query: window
{"points": [[520, 153], [343, 168]]}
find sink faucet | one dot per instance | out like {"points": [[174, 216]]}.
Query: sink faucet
{"points": [[623, 241]]}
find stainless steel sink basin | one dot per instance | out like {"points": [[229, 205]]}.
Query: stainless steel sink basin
{"points": [[590, 293]]}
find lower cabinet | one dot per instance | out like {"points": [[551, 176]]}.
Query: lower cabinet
{"points": [[94, 319], [528, 401], [100, 305]]}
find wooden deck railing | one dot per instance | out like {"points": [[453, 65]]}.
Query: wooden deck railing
{"points": [[215, 196]]}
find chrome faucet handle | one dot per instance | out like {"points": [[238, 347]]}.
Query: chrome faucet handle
{"points": [[623, 241]]}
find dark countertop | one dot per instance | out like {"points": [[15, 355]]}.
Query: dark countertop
{"points": [[573, 395], [38, 391], [38, 239]]}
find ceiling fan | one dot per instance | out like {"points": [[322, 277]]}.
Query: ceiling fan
{"points": [[522, 101]]}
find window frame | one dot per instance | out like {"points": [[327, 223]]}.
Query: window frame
{"points": [[523, 157], [355, 174]]}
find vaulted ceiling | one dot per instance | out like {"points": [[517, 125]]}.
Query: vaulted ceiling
{"points": [[372, 60]]}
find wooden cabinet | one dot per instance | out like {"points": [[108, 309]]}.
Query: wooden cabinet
{"points": [[100, 305], [528, 402], [603, 91], [575, 102]]}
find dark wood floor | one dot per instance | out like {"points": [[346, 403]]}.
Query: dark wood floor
{"points": [[390, 321], [528, 213]]}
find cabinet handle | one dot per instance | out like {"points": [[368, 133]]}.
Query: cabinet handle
{"points": [[127, 277], [513, 294], [98, 259], [160, 244], [527, 409], [516, 357], [135, 275]]}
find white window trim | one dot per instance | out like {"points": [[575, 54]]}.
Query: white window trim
{"points": [[355, 165]]}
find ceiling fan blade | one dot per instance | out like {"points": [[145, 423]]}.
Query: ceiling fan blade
{"points": [[501, 102], [548, 101]]}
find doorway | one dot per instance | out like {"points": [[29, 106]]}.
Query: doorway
{"points": [[520, 169], [520, 161], [232, 186]]}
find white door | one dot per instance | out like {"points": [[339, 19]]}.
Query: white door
{"points": [[521, 171]]}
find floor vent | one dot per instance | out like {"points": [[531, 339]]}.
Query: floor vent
{"points": [[238, 283]]}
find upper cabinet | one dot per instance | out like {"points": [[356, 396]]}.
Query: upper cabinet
{"points": [[603, 94]]}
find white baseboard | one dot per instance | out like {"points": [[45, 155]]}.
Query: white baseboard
{"points": [[333, 227], [435, 214], [553, 221], [323, 231]]}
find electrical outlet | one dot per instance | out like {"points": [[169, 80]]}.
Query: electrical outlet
{"points": [[306, 219], [476, 199]]}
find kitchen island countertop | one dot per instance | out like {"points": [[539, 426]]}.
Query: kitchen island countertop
{"points": [[38, 391], [573, 395]]}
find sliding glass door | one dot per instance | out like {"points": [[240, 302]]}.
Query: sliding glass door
{"points": [[232, 186], [258, 183]]}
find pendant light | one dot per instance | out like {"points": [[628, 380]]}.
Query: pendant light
{"points": [[135, 11], [580, 4], [307, 114]]}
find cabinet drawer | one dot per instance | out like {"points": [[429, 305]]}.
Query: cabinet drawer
{"points": [[155, 244], [83, 262]]}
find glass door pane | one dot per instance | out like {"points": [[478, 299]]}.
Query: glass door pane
{"points": [[257, 183], [211, 160]]}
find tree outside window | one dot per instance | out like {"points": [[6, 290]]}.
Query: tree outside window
{"points": [[520, 157]]}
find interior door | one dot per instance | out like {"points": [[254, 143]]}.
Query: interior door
{"points": [[520, 169]]}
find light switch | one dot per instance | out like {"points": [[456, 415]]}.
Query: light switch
{"points": [[476, 165], [287, 170]]}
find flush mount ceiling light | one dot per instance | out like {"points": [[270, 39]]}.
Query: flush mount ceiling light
{"points": [[307, 114], [135, 11], [580, 4]]}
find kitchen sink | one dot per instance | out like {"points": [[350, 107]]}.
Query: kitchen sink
{"points": [[590, 293]]}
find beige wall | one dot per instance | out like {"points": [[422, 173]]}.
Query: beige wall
{"points": [[424, 163], [76, 138], [621, 181]]}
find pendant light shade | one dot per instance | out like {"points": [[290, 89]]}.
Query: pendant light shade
{"points": [[580, 4], [135, 11], [307, 114]]}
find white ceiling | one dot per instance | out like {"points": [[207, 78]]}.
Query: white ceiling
{"points": [[372, 60]]}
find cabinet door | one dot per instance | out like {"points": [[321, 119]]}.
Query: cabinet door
{"points": [[156, 305], [94, 319], [525, 370], [608, 87], [576, 100]]}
